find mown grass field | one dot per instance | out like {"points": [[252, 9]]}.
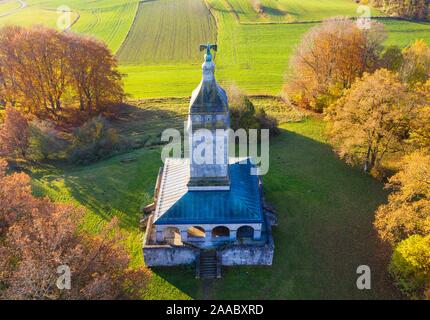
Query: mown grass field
{"points": [[164, 31], [253, 55], [8, 6], [107, 20], [325, 209], [287, 11]]}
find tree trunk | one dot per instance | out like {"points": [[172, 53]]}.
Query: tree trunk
{"points": [[366, 161]]}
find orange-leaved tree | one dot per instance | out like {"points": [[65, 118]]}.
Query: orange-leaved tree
{"points": [[14, 134], [39, 236], [408, 209], [372, 119], [329, 58]]}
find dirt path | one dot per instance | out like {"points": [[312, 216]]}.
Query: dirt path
{"points": [[207, 289], [21, 2]]}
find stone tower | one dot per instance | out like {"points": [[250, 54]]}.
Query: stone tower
{"points": [[208, 121]]}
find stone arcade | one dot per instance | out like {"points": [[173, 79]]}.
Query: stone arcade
{"points": [[208, 214]]}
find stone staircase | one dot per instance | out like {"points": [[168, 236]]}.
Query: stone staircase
{"points": [[208, 266]]}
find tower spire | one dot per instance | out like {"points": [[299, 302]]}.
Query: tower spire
{"points": [[208, 111]]}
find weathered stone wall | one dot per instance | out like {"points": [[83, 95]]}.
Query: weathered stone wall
{"points": [[160, 255], [246, 255], [242, 254]]}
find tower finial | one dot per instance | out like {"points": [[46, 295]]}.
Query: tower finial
{"points": [[208, 47]]}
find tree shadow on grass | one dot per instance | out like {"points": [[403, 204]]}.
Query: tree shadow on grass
{"points": [[113, 187], [326, 212]]}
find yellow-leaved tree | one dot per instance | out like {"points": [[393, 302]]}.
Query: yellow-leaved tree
{"points": [[408, 209], [372, 119]]}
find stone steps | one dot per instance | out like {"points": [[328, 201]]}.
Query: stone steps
{"points": [[208, 265]]}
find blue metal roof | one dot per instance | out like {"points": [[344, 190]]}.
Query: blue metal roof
{"points": [[178, 205]]}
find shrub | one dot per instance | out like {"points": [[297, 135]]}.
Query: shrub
{"points": [[267, 122], [45, 141], [95, 140], [242, 110], [243, 114], [410, 266], [14, 134]]}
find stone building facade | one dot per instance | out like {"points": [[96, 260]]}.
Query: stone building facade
{"points": [[205, 206]]}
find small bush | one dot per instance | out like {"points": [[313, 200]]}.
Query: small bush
{"points": [[243, 114], [45, 141], [96, 140], [242, 110], [267, 122], [410, 266]]}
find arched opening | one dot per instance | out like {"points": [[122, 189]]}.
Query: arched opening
{"points": [[220, 231], [196, 232], [245, 232], [172, 235]]}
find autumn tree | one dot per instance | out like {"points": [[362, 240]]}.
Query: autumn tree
{"points": [[415, 9], [38, 236], [420, 135], [43, 71], [416, 63], [371, 119], [34, 63], [93, 72], [14, 134], [329, 58], [15, 197], [408, 209]]}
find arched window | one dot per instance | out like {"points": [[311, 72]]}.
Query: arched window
{"points": [[172, 235], [220, 231], [245, 232], [196, 232]]}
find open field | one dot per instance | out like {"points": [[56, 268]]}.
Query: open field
{"points": [[287, 11], [157, 41], [104, 19], [325, 210], [9, 6], [255, 56], [164, 31]]}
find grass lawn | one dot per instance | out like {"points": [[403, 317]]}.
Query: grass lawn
{"points": [[325, 212]]}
